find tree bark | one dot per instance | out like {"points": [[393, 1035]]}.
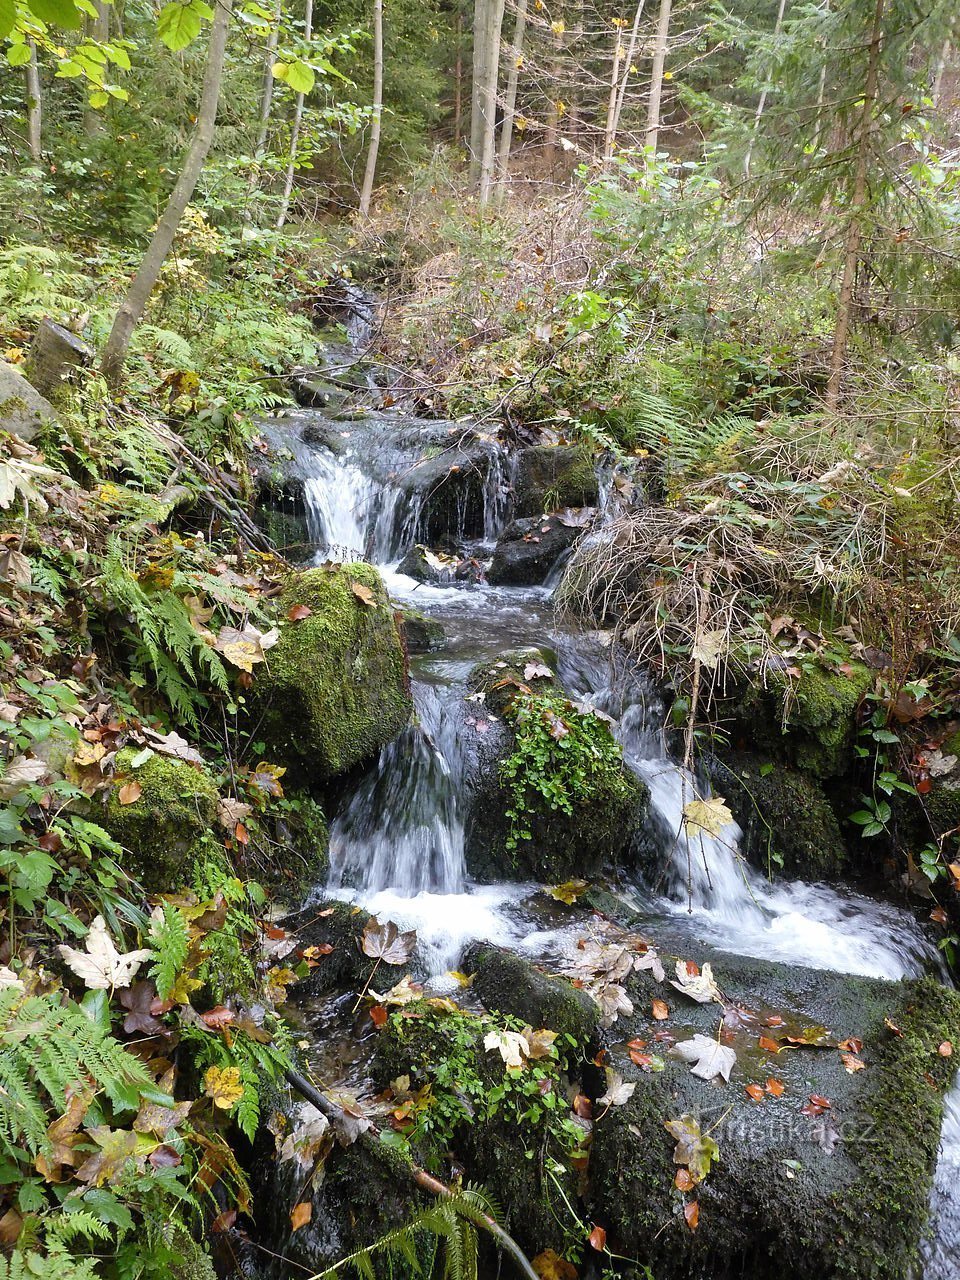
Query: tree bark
{"points": [[481, 11], [762, 101], [295, 130], [552, 130], [611, 125], [138, 294], [656, 76], [631, 50], [458, 82], [34, 107], [100, 32], [488, 152], [510, 100], [266, 92], [937, 87], [366, 191], [854, 236]]}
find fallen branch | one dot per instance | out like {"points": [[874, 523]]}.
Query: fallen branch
{"points": [[425, 1181]]}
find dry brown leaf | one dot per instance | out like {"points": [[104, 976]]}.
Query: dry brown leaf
{"points": [[300, 1215]]}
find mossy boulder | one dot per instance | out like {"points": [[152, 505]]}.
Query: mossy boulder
{"points": [[336, 687], [300, 859], [839, 1191], [551, 797], [447, 493], [338, 926], [422, 633], [789, 827], [163, 827], [507, 983], [809, 721], [553, 476]]}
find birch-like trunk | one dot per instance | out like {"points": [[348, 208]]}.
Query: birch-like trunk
{"points": [[34, 107], [138, 294], [370, 172], [854, 236], [609, 132], [515, 54], [762, 101], [488, 153], [99, 31], [295, 130], [937, 87], [625, 79], [656, 76], [481, 22]]}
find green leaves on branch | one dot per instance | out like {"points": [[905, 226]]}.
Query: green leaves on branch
{"points": [[179, 24], [298, 75]]}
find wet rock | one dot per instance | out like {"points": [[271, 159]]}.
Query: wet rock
{"points": [[336, 688], [447, 492], [423, 565], [163, 828], [314, 392], [554, 476], [789, 827], [281, 510], [506, 983], [422, 633], [551, 798], [326, 433], [23, 410], [338, 926], [836, 1190], [528, 549]]}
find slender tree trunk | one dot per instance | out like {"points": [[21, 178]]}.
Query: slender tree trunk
{"points": [[488, 153], [937, 87], [266, 92], [631, 50], [554, 112], [138, 294], [656, 76], [34, 107], [366, 191], [510, 100], [857, 204], [611, 123], [762, 101], [481, 12], [295, 130], [458, 82], [99, 31]]}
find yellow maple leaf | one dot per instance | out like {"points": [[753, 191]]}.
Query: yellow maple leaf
{"points": [[707, 816], [223, 1085]]}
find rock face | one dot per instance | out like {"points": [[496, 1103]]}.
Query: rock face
{"points": [[337, 688], [422, 633], [506, 983], [528, 549], [447, 491], [162, 829], [551, 798], [789, 826], [23, 410], [836, 1189], [554, 476]]}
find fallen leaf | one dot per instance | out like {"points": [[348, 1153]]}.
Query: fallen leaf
{"points": [[378, 1015], [301, 1214], [945, 1050], [218, 1017], [19, 773], [364, 594], [852, 1063], [297, 612], [511, 1046], [691, 1214], [755, 1091], [224, 1086], [775, 1087], [618, 1093], [660, 1010], [385, 942], [598, 1239], [101, 966], [695, 1150], [223, 1221], [683, 1180], [569, 891], [582, 1106], [816, 1106], [698, 986], [768, 1045], [232, 812], [850, 1045], [709, 1058], [708, 817], [244, 649], [892, 1027], [939, 916], [130, 792], [550, 1266]]}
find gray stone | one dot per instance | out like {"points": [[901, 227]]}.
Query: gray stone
{"points": [[23, 410], [52, 355], [528, 549]]}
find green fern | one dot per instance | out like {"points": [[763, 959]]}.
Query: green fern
{"points": [[451, 1221], [173, 345], [170, 939], [46, 1047], [57, 1263]]}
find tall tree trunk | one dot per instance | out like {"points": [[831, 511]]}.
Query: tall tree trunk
{"points": [[610, 128], [625, 80], [554, 111], [656, 76], [99, 31], [366, 191], [266, 105], [856, 206], [34, 107], [762, 101], [515, 55], [295, 130], [937, 87], [489, 148], [138, 294], [481, 19], [458, 82]]}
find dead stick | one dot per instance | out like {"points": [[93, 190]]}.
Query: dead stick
{"points": [[426, 1181]]}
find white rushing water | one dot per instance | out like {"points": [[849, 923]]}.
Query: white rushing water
{"points": [[398, 844]]}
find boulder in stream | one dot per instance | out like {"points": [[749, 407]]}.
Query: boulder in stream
{"points": [[508, 983], [553, 476], [422, 633], [335, 688], [447, 492], [826, 1141], [529, 548]]}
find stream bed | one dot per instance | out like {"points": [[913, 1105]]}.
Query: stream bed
{"points": [[398, 842]]}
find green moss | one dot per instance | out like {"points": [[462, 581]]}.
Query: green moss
{"points": [[337, 688], [422, 633], [555, 476], [507, 983], [161, 830], [501, 681], [789, 827]]}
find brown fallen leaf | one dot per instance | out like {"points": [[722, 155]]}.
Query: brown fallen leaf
{"points": [[816, 1106], [683, 1180], [223, 1221], [130, 792], [598, 1239], [939, 916], [301, 1214], [364, 594], [850, 1045], [945, 1050], [775, 1087], [691, 1214], [297, 612], [378, 1015], [660, 1010], [892, 1026], [852, 1063], [768, 1045], [550, 1266], [755, 1091]]}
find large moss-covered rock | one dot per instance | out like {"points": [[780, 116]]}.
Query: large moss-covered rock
{"points": [[789, 827], [337, 688], [507, 983], [838, 1191], [551, 798], [810, 721], [23, 410], [553, 476], [161, 829]]}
